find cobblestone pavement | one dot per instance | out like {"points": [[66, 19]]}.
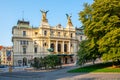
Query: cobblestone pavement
{"points": [[60, 74]]}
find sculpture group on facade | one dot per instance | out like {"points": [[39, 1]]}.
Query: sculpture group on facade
{"points": [[44, 19]]}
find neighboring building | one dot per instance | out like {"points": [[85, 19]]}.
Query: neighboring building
{"points": [[6, 55], [30, 42], [80, 35]]}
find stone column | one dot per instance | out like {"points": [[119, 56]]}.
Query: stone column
{"points": [[69, 47], [63, 47], [56, 46], [49, 44], [42, 42]]}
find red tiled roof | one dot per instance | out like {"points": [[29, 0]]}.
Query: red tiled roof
{"points": [[1, 47]]}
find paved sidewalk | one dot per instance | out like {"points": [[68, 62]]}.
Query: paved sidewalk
{"points": [[60, 74]]}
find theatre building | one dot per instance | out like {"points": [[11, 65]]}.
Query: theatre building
{"points": [[30, 42]]}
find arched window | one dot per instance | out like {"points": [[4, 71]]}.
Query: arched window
{"points": [[52, 46], [45, 33], [59, 47], [65, 47]]}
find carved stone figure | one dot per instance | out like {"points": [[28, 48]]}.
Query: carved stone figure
{"points": [[44, 19], [69, 20]]}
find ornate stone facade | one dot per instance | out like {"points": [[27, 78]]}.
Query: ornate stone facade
{"points": [[6, 56], [30, 42]]}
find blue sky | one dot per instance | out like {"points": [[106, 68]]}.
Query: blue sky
{"points": [[12, 10]]}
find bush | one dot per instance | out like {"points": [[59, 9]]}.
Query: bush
{"points": [[50, 61]]}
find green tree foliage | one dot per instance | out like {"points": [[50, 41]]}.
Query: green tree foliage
{"points": [[110, 45], [92, 47], [36, 62], [101, 22], [50, 61], [83, 52]]}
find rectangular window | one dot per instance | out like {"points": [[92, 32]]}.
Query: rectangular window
{"points": [[24, 50], [58, 33], [27, 42], [21, 42], [35, 49], [24, 33], [24, 42], [71, 35], [80, 37], [45, 33]]}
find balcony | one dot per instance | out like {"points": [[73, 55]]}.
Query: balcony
{"points": [[47, 36]]}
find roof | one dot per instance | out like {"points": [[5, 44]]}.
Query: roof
{"points": [[1, 47], [23, 22]]}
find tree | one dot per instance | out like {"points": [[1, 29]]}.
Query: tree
{"points": [[100, 21], [49, 61], [92, 47], [83, 52], [52, 61], [36, 63], [110, 45]]}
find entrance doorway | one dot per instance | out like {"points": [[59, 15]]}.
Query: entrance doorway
{"points": [[65, 60], [24, 61]]}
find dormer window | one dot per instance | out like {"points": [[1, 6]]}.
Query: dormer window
{"points": [[24, 33]]}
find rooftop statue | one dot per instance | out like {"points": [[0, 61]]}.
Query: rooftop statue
{"points": [[69, 20], [44, 19]]}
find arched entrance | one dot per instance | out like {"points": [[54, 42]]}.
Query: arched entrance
{"points": [[24, 61], [59, 47], [65, 47], [66, 60]]}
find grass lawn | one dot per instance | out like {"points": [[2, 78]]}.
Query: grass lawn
{"points": [[102, 67]]}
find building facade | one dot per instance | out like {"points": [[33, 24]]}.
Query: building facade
{"points": [[30, 42], [6, 56]]}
